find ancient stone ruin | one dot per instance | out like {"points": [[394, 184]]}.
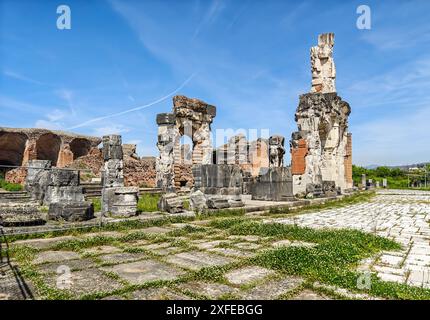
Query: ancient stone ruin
{"points": [[321, 159], [18, 146], [117, 200], [322, 64], [59, 190], [189, 117]]}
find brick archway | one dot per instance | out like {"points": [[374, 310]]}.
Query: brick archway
{"points": [[47, 147], [80, 147]]}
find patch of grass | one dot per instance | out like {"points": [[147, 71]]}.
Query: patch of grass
{"points": [[222, 213], [117, 226], [24, 256], [330, 261], [188, 229], [10, 186], [329, 204], [97, 203], [186, 204], [148, 202]]}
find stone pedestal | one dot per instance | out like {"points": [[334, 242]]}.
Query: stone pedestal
{"points": [[276, 184], [222, 184], [71, 211], [117, 200]]}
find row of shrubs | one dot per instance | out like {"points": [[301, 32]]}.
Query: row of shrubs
{"points": [[10, 186]]}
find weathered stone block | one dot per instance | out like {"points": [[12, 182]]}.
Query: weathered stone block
{"points": [[71, 211], [60, 194], [275, 184], [112, 147], [165, 118], [170, 202], [61, 178], [120, 201]]}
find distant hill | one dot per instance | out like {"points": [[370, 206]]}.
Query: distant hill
{"points": [[403, 167]]}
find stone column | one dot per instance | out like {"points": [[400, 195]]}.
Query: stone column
{"points": [[167, 136], [117, 200], [363, 181]]}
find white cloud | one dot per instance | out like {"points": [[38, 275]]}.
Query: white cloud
{"points": [[44, 124], [111, 129]]}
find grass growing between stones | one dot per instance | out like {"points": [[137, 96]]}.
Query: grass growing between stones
{"points": [[148, 202], [331, 261], [330, 204]]}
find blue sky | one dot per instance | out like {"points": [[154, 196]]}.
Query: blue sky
{"points": [[249, 58]]}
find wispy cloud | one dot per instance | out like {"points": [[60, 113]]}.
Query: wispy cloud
{"points": [[18, 76], [210, 16], [117, 114]]}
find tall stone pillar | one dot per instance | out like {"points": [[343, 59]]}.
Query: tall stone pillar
{"points": [[321, 149], [167, 136], [117, 200]]}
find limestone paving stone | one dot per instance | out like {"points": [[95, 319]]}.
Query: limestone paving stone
{"points": [[195, 260], [121, 257], [273, 289], [42, 243], [86, 281], [101, 250], [143, 271], [156, 230], [158, 294], [247, 275], [74, 265], [233, 252], [209, 290], [54, 256], [310, 295], [247, 245]]}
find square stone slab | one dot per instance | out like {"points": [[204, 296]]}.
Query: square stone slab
{"points": [[121, 257], [54, 256], [209, 290], [207, 244], [74, 265], [245, 238], [101, 250], [273, 289], [310, 295], [233, 252], [42, 243], [195, 260], [146, 270], [156, 246], [158, 294], [86, 282], [247, 245], [110, 234], [247, 275], [155, 230]]}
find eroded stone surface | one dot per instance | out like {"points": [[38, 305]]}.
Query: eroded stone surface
{"points": [[54, 256], [273, 289], [143, 271], [310, 295], [195, 260], [86, 282], [209, 290], [247, 275]]}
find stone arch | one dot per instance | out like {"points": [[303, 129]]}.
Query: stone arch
{"points": [[80, 147], [12, 147], [48, 147]]}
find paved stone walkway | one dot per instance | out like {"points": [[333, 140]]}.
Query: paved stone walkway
{"points": [[163, 260], [401, 215]]}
